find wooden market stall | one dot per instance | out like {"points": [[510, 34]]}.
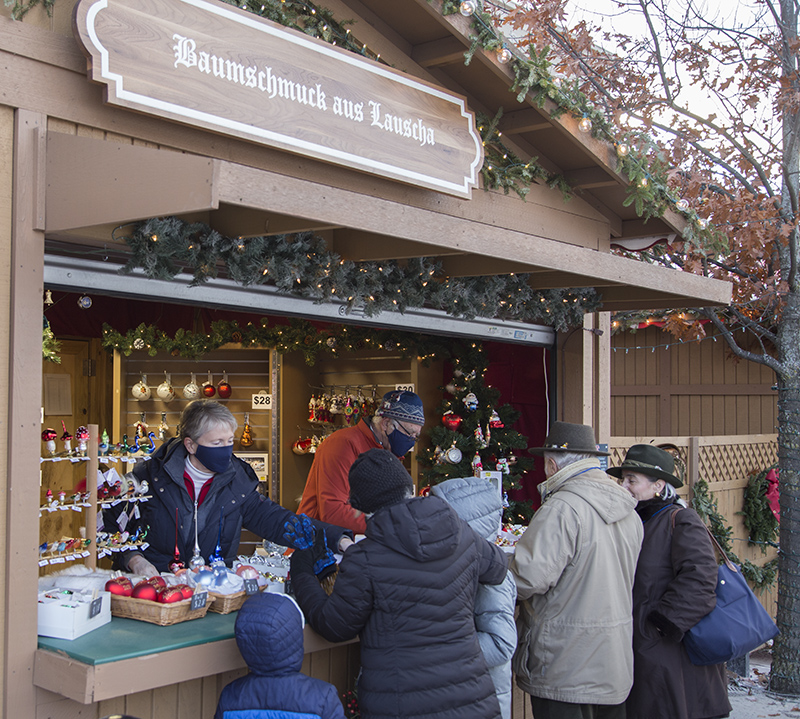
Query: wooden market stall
{"points": [[83, 155]]}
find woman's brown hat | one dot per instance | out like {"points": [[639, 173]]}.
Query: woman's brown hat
{"points": [[650, 460]]}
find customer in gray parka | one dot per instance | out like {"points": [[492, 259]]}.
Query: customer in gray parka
{"points": [[478, 501]]}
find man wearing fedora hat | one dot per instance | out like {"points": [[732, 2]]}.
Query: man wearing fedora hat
{"points": [[574, 568]]}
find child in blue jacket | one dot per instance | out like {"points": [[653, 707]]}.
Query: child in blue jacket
{"points": [[269, 634]]}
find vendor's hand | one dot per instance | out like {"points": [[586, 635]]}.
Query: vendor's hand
{"points": [[299, 532], [345, 543], [137, 564]]}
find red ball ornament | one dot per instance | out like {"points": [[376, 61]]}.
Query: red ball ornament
{"points": [[451, 420], [209, 390], [168, 595], [186, 590], [120, 585], [223, 388], [143, 590]]}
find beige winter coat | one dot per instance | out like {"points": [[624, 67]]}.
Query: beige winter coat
{"points": [[574, 569]]}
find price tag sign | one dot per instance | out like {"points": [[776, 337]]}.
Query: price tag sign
{"points": [[262, 401], [199, 600], [95, 607], [405, 388], [251, 586]]}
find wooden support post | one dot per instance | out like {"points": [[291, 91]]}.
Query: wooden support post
{"points": [[24, 422], [692, 466]]}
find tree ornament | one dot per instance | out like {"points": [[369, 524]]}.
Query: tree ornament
{"points": [[190, 389], [585, 125], [196, 563], [49, 438], [163, 427], [140, 390], [66, 438], [138, 344], [504, 55], [702, 223], [470, 401], [438, 455], [82, 438], [453, 454], [246, 439], [502, 466], [224, 389], [165, 390], [331, 342], [477, 465], [84, 302], [494, 421], [468, 7], [623, 149], [176, 564], [208, 389], [105, 441], [480, 439], [451, 388], [451, 420], [682, 204]]}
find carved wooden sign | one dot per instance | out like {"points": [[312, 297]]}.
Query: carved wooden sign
{"points": [[211, 65]]}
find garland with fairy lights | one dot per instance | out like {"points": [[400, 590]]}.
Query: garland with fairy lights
{"points": [[761, 577], [300, 265], [296, 336], [638, 154]]}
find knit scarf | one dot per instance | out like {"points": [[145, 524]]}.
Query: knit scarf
{"points": [[549, 486]]}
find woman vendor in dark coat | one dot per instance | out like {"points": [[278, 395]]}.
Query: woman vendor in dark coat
{"points": [[674, 588], [197, 475], [408, 590]]}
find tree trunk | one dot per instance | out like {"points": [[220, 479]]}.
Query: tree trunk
{"points": [[785, 672]]}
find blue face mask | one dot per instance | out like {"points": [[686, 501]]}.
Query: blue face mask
{"points": [[400, 442], [214, 459]]}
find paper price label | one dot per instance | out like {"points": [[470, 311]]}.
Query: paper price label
{"points": [[95, 607], [262, 401], [199, 600], [405, 388]]}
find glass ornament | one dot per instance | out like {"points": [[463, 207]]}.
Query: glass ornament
{"points": [[682, 204], [468, 7], [623, 149], [503, 55], [585, 125]]}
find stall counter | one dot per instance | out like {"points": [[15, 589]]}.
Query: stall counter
{"points": [[128, 656]]}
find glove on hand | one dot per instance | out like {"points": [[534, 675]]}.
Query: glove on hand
{"points": [[299, 532], [139, 565], [324, 561], [301, 562]]}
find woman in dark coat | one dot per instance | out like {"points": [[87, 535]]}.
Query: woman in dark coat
{"points": [[197, 476], [674, 588], [408, 590]]}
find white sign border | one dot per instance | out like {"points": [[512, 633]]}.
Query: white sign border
{"points": [[243, 128]]}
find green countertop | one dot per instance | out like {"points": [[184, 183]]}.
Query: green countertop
{"points": [[129, 638]]}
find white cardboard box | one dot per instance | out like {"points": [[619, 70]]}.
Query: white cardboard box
{"points": [[68, 622]]}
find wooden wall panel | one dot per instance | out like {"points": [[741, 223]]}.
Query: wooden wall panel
{"points": [[700, 388]]}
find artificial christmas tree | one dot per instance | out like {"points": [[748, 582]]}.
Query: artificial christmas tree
{"points": [[477, 435]]}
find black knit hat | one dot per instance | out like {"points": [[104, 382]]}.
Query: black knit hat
{"points": [[378, 479]]}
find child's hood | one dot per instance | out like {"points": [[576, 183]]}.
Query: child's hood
{"points": [[269, 634]]}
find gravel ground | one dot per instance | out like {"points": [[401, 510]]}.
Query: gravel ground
{"points": [[749, 696]]}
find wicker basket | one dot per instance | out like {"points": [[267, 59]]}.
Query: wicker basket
{"points": [[226, 603], [146, 610]]}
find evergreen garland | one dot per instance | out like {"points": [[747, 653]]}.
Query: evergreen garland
{"points": [[300, 265], [297, 336], [761, 577], [761, 524], [499, 443]]}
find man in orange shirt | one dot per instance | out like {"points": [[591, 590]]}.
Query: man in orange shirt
{"points": [[396, 426]]}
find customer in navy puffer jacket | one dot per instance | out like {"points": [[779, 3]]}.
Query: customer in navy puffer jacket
{"points": [[408, 590], [269, 634]]}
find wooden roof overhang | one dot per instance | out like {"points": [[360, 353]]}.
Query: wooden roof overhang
{"points": [[245, 190]]}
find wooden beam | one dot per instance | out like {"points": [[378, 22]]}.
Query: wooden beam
{"points": [[446, 51], [370, 246], [527, 120], [23, 426], [121, 183], [692, 390], [589, 178], [233, 221]]}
